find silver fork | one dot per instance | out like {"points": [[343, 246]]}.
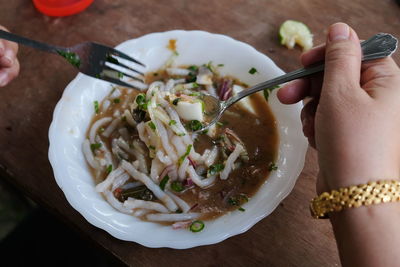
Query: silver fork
{"points": [[378, 46], [92, 59]]}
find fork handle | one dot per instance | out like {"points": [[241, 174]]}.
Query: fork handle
{"points": [[379, 46], [29, 42]]}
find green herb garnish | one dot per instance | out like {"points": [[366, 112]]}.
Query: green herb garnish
{"points": [[195, 85], [176, 100], [116, 100], [181, 134], [220, 65], [272, 167], [220, 124], [172, 122], [216, 168], [109, 169], [241, 209], [194, 125], [193, 68], [141, 101], [253, 70], [71, 57], [177, 186], [163, 182], [96, 106], [196, 226], [181, 159], [101, 129], [152, 147], [93, 147], [268, 91], [120, 75], [152, 125]]}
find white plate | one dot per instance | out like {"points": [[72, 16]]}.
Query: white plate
{"points": [[74, 111]]}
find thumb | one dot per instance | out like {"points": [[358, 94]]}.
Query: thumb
{"points": [[342, 59]]}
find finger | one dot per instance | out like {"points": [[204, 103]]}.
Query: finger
{"points": [[294, 91], [8, 58], [342, 60], [315, 55], [307, 119], [8, 74]]}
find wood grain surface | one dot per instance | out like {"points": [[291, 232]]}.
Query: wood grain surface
{"points": [[289, 236]]}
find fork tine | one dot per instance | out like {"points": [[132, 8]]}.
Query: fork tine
{"points": [[117, 81], [125, 66], [117, 72], [125, 56]]}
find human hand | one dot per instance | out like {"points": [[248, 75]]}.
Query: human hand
{"points": [[9, 65], [352, 116]]}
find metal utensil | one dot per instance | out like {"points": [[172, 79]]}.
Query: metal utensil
{"points": [[379, 46], [95, 60]]}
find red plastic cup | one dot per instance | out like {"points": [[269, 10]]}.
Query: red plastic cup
{"points": [[61, 8]]}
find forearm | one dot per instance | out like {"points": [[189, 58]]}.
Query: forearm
{"points": [[368, 236]]}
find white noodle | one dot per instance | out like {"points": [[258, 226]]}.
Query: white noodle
{"points": [[129, 118], [168, 217], [132, 203], [106, 105], [179, 146], [182, 169], [150, 185], [230, 160], [96, 126], [155, 169], [164, 139], [200, 181], [87, 152], [115, 203], [181, 203], [163, 158], [119, 181], [101, 187], [170, 84], [113, 125], [140, 212]]}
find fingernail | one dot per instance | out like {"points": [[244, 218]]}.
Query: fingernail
{"points": [[3, 78], [339, 31]]}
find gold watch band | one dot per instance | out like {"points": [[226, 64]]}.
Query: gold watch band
{"points": [[355, 196]]}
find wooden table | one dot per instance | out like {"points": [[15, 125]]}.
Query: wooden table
{"points": [[289, 236]]}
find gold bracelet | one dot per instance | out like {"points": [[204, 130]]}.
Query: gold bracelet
{"points": [[355, 196]]}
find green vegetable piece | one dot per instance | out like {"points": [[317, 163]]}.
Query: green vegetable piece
{"points": [[220, 65], [71, 57], [116, 100], [241, 209], [93, 147], [152, 125], [268, 91], [152, 147], [194, 125], [196, 226], [272, 167], [112, 59], [96, 106], [253, 70], [177, 186], [163, 182], [195, 85], [109, 169], [101, 129], [181, 159], [216, 168], [176, 100], [120, 75], [172, 122], [193, 68]]}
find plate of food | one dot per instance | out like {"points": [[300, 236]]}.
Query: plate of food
{"points": [[133, 163]]}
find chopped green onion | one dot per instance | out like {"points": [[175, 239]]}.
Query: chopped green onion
{"points": [[109, 169], [120, 75], [116, 100], [163, 182], [96, 106], [181, 134], [220, 124], [194, 125], [176, 100], [152, 147], [196, 226], [176, 53], [177, 186], [181, 159], [152, 125], [93, 147], [216, 168], [101, 129], [272, 167], [193, 68], [253, 70], [195, 93], [195, 85], [71, 57], [141, 101], [268, 91], [241, 209], [172, 122], [210, 66], [178, 211], [220, 65]]}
